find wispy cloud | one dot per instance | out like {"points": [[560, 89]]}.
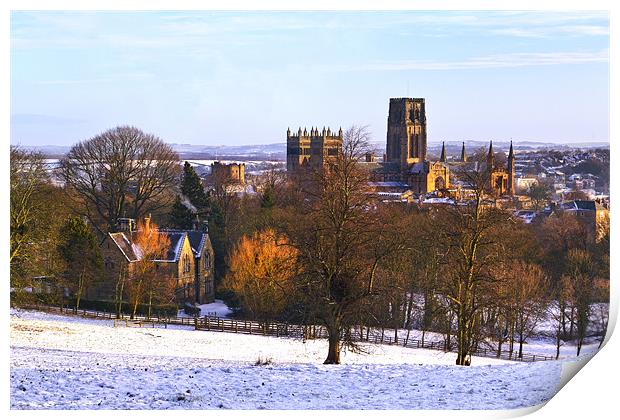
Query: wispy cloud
{"points": [[150, 29], [486, 62], [550, 31]]}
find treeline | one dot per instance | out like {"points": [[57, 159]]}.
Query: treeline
{"points": [[320, 249], [317, 248]]}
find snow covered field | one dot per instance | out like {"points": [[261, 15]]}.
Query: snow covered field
{"points": [[61, 362]]}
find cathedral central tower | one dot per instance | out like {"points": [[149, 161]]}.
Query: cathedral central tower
{"points": [[406, 132]]}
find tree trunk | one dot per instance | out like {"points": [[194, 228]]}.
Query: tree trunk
{"points": [[79, 291], [462, 335], [511, 347], [448, 341], [557, 340], [150, 302], [500, 339], [572, 322], [120, 300], [333, 354]]}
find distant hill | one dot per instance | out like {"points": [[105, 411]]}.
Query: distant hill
{"points": [[277, 151]]}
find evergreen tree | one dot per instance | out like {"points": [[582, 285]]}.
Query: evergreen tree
{"points": [[218, 236], [192, 187], [79, 249], [181, 217], [268, 199]]}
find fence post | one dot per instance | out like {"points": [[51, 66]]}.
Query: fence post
{"points": [[195, 323]]}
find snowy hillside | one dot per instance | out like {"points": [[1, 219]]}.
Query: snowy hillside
{"points": [[73, 363]]}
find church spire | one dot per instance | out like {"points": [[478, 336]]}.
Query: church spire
{"points": [[463, 154], [490, 156], [511, 171], [443, 152]]}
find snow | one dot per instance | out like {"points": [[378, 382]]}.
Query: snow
{"points": [[217, 308], [64, 362]]}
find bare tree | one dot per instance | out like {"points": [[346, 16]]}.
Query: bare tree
{"points": [[581, 274], [28, 177], [524, 295], [471, 235], [558, 234], [122, 172], [340, 242], [37, 209]]}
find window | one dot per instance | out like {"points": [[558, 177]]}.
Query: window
{"points": [[205, 261], [332, 151], [186, 264]]}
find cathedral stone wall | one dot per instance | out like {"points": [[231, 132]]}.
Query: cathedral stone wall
{"points": [[311, 149]]}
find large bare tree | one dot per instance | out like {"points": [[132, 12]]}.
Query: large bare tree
{"points": [[340, 241], [471, 236], [122, 172]]}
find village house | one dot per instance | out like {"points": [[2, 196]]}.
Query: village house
{"points": [[188, 262], [593, 213]]}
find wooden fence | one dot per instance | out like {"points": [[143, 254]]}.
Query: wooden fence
{"points": [[277, 329]]}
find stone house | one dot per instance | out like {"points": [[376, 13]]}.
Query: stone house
{"points": [[188, 261], [594, 214]]}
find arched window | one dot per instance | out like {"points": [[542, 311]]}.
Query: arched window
{"points": [[186, 264]]}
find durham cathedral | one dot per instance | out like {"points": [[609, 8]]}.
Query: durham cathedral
{"points": [[405, 160]]}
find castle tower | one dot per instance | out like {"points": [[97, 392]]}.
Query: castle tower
{"points": [[511, 171], [463, 154], [443, 152], [406, 133]]}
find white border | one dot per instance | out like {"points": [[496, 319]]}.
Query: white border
{"points": [[592, 394]]}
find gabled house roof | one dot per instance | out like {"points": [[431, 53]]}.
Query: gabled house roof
{"points": [[197, 239], [176, 244], [132, 252], [124, 244], [580, 205]]}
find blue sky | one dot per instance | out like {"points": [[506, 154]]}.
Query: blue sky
{"points": [[209, 77]]}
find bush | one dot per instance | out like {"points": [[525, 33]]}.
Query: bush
{"points": [[263, 362], [191, 310]]}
